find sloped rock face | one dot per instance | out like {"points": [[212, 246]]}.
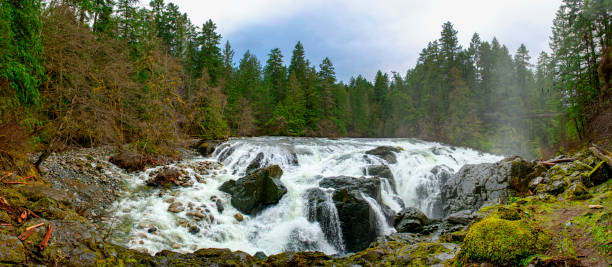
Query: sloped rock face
{"points": [[385, 152], [254, 192], [482, 184], [357, 219]]}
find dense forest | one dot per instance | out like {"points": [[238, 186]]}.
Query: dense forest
{"points": [[96, 72]]}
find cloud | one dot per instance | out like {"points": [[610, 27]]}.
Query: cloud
{"points": [[361, 36]]}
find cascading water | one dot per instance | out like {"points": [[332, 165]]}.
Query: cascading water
{"points": [[145, 223]]}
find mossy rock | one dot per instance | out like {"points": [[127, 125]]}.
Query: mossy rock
{"points": [[11, 250], [501, 242], [577, 191], [509, 213]]}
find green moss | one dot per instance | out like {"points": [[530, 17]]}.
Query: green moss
{"points": [[509, 213], [598, 225], [502, 241]]}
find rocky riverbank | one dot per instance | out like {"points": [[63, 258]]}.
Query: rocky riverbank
{"points": [[509, 213]]}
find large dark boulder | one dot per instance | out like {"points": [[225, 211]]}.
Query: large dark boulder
{"points": [[358, 220], [385, 152], [256, 191], [482, 184], [410, 220], [206, 147], [382, 171]]}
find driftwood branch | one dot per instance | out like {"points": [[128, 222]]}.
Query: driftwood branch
{"points": [[555, 161], [601, 155], [45, 241], [28, 232]]}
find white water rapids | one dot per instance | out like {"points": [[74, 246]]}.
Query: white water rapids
{"points": [[284, 226]]}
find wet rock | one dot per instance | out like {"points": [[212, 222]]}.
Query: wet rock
{"points": [[176, 246], [196, 214], [168, 176], [219, 204], [206, 147], [176, 207], [357, 219], [238, 217], [256, 191], [11, 249], [193, 229], [487, 183], [260, 255], [152, 230], [385, 152], [410, 220], [256, 163]]}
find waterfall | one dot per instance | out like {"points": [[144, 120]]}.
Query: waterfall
{"points": [[288, 225], [382, 226], [322, 209]]}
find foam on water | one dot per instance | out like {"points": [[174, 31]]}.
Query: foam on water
{"points": [[285, 226]]}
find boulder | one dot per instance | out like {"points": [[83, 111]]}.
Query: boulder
{"points": [[482, 184], [410, 220], [382, 171], [256, 191], [11, 250], [358, 220], [601, 173], [207, 147], [385, 152], [168, 176]]}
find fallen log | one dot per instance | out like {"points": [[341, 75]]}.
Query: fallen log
{"points": [[595, 207], [45, 241], [601, 155]]}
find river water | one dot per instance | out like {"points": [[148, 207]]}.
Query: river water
{"points": [[285, 226]]}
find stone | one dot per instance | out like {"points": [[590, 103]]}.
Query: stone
{"points": [[176, 246], [385, 152], [169, 176], [176, 207], [476, 185], [11, 249], [207, 147], [238, 217], [219, 204], [463, 217], [410, 220], [260, 255], [152, 230], [557, 187], [578, 191], [357, 218], [193, 229], [256, 191]]}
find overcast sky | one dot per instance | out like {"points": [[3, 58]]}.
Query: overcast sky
{"points": [[361, 37]]}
